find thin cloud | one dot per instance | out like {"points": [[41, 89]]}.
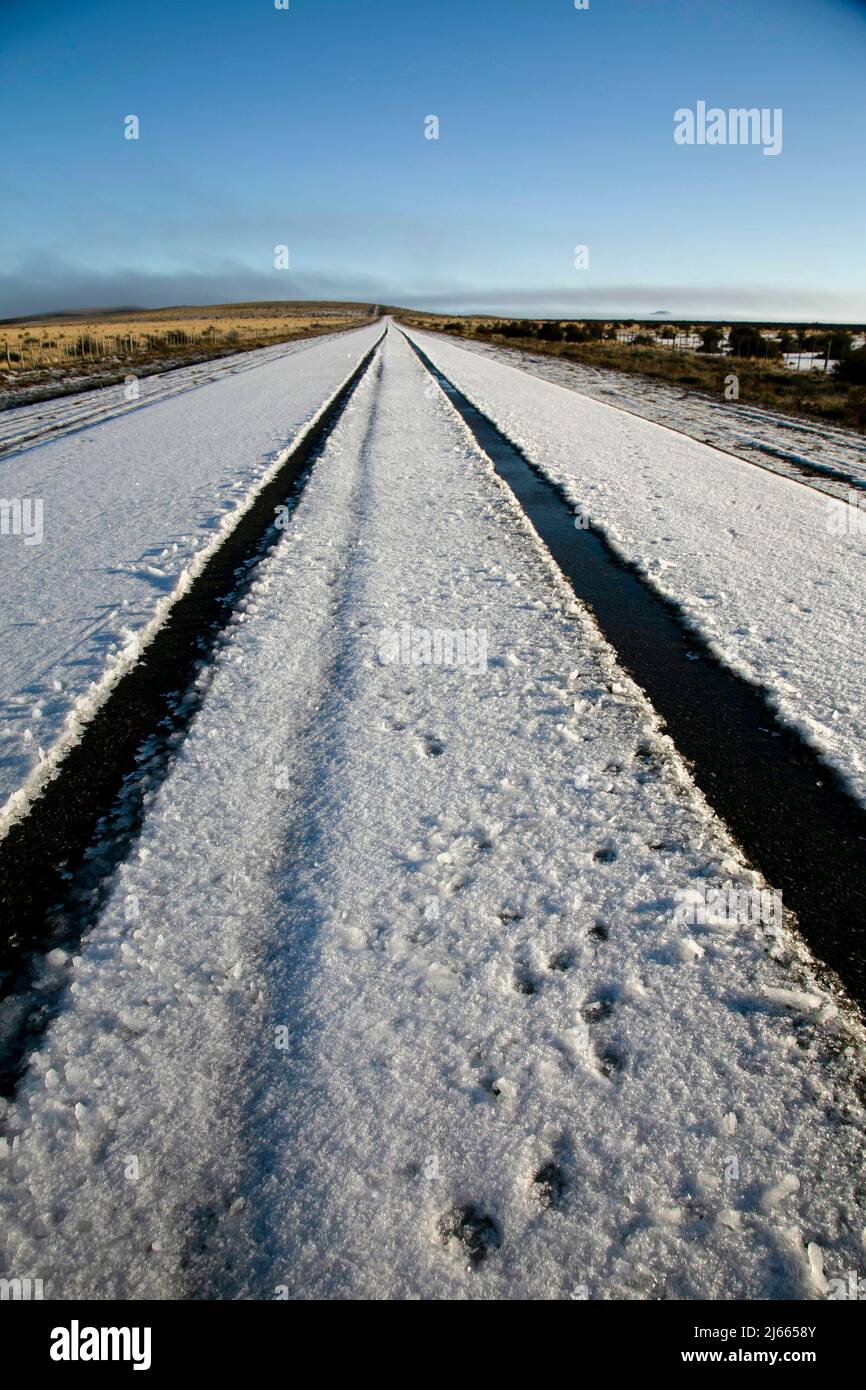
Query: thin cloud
{"points": [[43, 287]]}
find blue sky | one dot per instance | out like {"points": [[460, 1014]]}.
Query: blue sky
{"points": [[262, 127]]}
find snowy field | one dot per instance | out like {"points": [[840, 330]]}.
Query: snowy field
{"points": [[393, 998], [132, 495], [771, 571]]}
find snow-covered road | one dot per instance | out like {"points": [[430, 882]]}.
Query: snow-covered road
{"points": [[771, 571], [832, 457], [392, 999], [131, 501]]}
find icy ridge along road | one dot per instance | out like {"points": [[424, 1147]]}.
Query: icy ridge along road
{"points": [[769, 571], [393, 999], [127, 508]]}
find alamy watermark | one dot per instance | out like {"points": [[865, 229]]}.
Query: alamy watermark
{"points": [[739, 125], [850, 1287], [847, 518], [421, 646], [728, 906], [21, 1290], [77, 1343], [22, 516]]}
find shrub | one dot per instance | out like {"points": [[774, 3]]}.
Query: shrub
{"points": [[852, 368], [840, 343], [856, 408], [747, 341]]}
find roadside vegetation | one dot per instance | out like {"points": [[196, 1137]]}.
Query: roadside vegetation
{"points": [[813, 370], [57, 354]]}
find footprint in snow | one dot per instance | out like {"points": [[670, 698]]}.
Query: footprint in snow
{"points": [[600, 1008], [431, 747], [490, 1084], [524, 983], [609, 1062], [649, 756], [562, 960], [606, 854], [509, 914], [473, 1229], [550, 1185]]}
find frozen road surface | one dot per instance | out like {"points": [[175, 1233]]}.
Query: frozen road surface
{"points": [[405, 990]]}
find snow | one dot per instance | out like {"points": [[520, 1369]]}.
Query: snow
{"points": [[809, 361], [131, 501], [771, 571], [392, 1000]]}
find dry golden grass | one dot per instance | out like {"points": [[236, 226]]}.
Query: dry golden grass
{"points": [[65, 343]]}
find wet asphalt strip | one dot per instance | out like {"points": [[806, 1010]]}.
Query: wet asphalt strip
{"points": [[56, 862], [791, 814]]}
